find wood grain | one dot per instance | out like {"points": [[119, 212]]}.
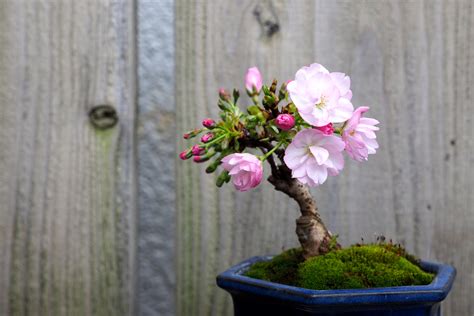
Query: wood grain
{"points": [[67, 189], [411, 61]]}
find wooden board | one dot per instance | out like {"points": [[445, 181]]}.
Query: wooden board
{"points": [[67, 189], [156, 148], [411, 61]]}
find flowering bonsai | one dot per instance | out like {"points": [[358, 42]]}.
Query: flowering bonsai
{"points": [[302, 129]]}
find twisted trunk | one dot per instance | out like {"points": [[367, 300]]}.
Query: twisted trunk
{"points": [[313, 235]]}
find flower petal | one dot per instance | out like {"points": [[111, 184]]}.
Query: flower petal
{"points": [[320, 154]]}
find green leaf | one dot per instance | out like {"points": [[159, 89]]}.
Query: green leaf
{"points": [[261, 117], [266, 90], [275, 129], [254, 110]]}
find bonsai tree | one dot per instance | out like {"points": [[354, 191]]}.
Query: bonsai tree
{"points": [[302, 129]]}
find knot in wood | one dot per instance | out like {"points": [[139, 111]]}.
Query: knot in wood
{"points": [[267, 18], [103, 116]]}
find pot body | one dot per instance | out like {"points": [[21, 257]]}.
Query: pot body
{"points": [[258, 297]]}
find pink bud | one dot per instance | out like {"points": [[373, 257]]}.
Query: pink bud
{"points": [[200, 159], [285, 121], [187, 136], [208, 122], [326, 129], [207, 137], [253, 80], [197, 150], [223, 94], [185, 155]]}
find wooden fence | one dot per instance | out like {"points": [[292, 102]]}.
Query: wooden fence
{"points": [[97, 217]]}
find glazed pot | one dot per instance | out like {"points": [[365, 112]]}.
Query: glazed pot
{"points": [[258, 297]]}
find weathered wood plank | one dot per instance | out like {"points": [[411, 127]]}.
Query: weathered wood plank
{"points": [[156, 131], [409, 60], [67, 189]]}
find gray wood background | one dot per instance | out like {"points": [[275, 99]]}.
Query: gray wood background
{"points": [[108, 222]]}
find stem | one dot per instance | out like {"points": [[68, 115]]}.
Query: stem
{"points": [[255, 99], [214, 140], [270, 160], [271, 151], [313, 235], [273, 166]]}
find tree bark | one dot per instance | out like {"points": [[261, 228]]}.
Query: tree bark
{"points": [[313, 235]]}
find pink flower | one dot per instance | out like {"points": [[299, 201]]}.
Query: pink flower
{"points": [[321, 97], [208, 122], [326, 129], [207, 137], [313, 155], [359, 135], [253, 79], [285, 121], [245, 169]]}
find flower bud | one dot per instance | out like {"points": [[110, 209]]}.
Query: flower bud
{"points": [[285, 121], [253, 80], [207, 137], [269, 101], [192, 133], [223, 177], [208, 155], [198, 159], [326, 129], [197, 150], [223, 94], [236, 95], [273, 86], [283, 93], [213, 166], [209, 123], [185, 154]]}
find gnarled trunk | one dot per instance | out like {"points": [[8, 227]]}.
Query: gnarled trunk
{"points": [[313, 235]]}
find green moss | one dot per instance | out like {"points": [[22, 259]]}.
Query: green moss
{"points": [[377, 265], [281, 269]]}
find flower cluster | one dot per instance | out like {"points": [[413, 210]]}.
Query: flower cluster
{"points": [[308, 134]]}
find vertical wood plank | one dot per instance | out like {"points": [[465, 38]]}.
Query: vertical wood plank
{"points": [[156, 278], [411, 61], [67, 190]]}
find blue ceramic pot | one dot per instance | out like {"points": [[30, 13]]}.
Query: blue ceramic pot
{"points": [[257, 297]]}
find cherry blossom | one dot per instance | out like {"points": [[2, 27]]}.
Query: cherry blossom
{"points": [[245, 169], [321, 97], [359, 135], [313, 155]]}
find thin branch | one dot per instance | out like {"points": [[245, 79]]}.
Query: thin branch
{"points": [[270, 160]]}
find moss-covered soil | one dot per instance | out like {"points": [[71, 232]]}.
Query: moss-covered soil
{"points": [[359, 266]]}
